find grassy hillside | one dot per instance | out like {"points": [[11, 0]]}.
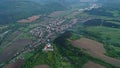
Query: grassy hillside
{"points": [[103, 26], [13, 10], [64, 55]]}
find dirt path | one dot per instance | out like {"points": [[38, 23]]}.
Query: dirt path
{"points": [[95, 49], [90, 64]]}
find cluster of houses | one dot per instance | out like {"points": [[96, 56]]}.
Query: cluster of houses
{"points": [[47, 30]]}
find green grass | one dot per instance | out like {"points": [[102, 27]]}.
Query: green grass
{"points": [[115, 13], [28, 55], [110, 37], [23, 29], [53, 59], [26, 36], [114, 22], [64, 55], [113, 51], [111, 33], [75, 36]]}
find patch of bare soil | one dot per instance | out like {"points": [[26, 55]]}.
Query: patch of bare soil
{"points": [[29, 19], [95, 49], [91, 46], [14, 65], [42, 66], [92, 65]]}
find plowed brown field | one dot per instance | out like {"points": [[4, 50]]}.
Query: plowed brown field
{"points": [[42, 66], [95, 49], [92, 65], [29, 19], [14, 65]]}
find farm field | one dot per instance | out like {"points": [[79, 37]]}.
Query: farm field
{"points": [[90, 64], [14, 65], [95, 49], [41, 66], [59, 34], [29, 19], [13, 49], [112, 33]]}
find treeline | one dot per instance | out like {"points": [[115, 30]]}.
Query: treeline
{"points": [[100, 12], [74, 55], [105, 9], [11, 11], [112, 52], [64, 55], [100, 22]]}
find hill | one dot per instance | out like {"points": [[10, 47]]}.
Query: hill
{"points": [[64, 55], [13, 10]]}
